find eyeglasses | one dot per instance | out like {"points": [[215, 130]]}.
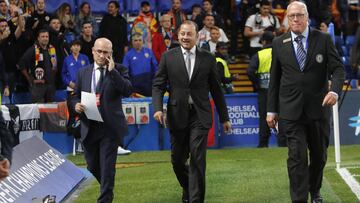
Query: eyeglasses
{"points": [[299, 16], [102, 52]]}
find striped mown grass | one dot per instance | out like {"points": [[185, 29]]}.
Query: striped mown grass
{"points": [[233, 175]]}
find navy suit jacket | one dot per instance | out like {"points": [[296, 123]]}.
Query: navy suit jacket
{"points": [[116, 84]]}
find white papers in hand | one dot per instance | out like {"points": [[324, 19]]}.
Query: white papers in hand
{"points": [[91, 110]]}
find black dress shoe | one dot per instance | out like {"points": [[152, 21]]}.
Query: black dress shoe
{"points": [[185, 197], [316, 198]]}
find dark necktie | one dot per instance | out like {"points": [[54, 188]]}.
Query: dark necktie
{"points": [[188, 62], [101, 79], [300, 52]]}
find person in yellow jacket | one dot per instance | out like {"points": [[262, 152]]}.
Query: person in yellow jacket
{"points": [[259, 74], [225, 76]]}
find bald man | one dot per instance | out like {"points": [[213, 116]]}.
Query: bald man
{"points": [[109, 82]]}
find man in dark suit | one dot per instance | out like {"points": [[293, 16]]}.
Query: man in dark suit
{"points": [[303, 61], [110, 82], [6, 143], [190, 74]]}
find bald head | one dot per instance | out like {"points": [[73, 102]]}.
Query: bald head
{"points": [[102, 51]]}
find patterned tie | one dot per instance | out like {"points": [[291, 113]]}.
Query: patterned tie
{"points": [[101, 79], [188, 62], [300, 52]]}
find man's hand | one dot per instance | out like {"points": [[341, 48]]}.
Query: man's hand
{"points": [[72, 84], [111, 63], [158, 116], [4, 168], [79, 108], [6, 91], [227, 127], [329, 100], [272, 120]]}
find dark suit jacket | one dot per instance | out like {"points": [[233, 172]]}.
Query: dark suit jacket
{"points": [[6, 140], [172, 74], [292, 92], [116, 85]]}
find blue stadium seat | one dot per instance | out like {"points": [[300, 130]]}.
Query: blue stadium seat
{"points": [[350, 40]]}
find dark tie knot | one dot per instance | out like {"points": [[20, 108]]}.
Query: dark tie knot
{"points": [[298, 39], [101, 68]]}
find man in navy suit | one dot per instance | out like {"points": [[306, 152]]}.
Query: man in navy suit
{"points": [[110, 82], [303, 60]]}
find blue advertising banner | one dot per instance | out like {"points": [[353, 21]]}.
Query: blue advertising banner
{"points": [[349, 119], [37, 171], [244, 118]]}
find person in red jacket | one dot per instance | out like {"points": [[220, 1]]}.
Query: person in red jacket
{"points": [[163, 39]]}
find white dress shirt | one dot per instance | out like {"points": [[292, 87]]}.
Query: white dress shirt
{"points": [[192, 58]]}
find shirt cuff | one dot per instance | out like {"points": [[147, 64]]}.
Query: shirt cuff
{"points": [[335, 94], [271, 114]]}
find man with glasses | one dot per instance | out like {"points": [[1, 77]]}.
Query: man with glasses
{"points": [[303, 60], [109, 82]]}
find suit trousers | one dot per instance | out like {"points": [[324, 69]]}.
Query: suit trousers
{"points": [[100, 154], [303, 135], [264, 132], [190, 141]]}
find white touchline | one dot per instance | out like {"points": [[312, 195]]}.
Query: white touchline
{"points": [[350, 181]]}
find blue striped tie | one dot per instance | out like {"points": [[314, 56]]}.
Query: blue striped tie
{"points": [[300, 52]]}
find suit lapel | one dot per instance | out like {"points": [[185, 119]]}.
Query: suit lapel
{"points": [[88, 78], [197, 63], [311, 47]]}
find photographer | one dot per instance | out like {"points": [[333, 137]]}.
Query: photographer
{"points": [[257, 24]]}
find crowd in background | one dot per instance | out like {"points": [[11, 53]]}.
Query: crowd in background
{"points": [[41, 52]]}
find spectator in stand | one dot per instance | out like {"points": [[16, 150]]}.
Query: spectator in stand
{"points": [[87, 40], [208, 10], [177, 15], [67, 20], [4, 83], [225, 76], [57, 39], [210, 45], [39, 66], [39, 19], [145, 23], [6, 144], [4, 10], [85, 15], [9, 38], [355, 57], [163, 39], [323, 27], [204, 33], [257, 24], [72, 65], [114, 27], [142, 66], [195, 11], [353, 17]]}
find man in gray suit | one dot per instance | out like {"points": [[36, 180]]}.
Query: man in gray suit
{"points": [[302, 63], [190, 74]]}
